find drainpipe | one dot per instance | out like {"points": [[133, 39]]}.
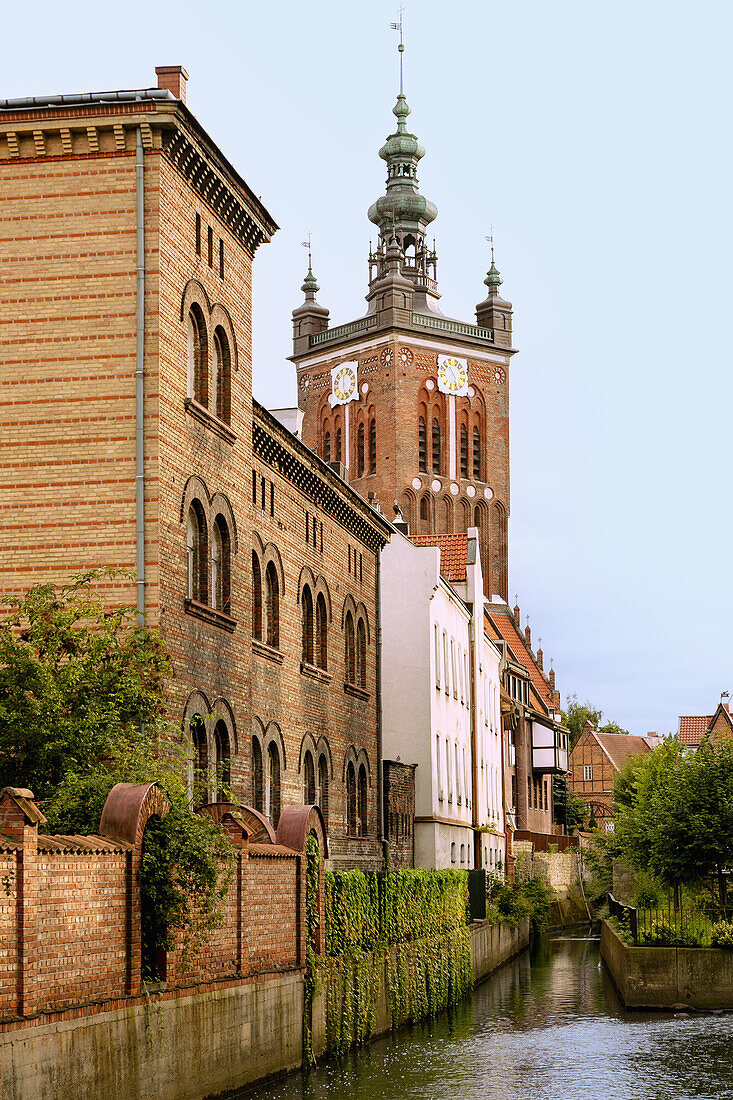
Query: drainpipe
{"points": [[473, 711], [139, 379], [380, 763]]}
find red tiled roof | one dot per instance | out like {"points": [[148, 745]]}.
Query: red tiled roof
{"points": [[621, 746], [503, 623], [453, 553], [693, 727]]}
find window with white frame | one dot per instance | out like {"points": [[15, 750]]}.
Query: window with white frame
{"points": [[437, 657], [588, 772]]}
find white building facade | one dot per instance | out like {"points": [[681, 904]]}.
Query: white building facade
{"points": [[440, 699]]}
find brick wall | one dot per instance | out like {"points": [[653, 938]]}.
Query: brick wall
{"points": [[399, 812], [597, 790], [76, 898]]}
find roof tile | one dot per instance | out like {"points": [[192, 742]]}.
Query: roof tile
{"points": [[453, 553]]}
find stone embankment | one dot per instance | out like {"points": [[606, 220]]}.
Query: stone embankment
{"points": [[668, 977]]}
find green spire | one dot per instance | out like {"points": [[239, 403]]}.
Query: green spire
{"points": [[310, 286]]}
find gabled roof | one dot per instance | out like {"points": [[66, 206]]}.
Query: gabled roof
{"points": [[503, 626], [453, 553], [693, 727], [620, 747]]}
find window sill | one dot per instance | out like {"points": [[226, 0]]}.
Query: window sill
{"points": [[268, 651], [209, 615], [357, 692], [315, 673], [209, 420]]}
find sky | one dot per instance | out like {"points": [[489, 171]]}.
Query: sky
{"points": [[595, 139]]}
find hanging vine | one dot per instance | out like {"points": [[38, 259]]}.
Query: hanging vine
{"points": [[312, 922], [411, 924]]}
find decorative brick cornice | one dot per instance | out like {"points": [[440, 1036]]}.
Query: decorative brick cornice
{"points": [[314, 478]]}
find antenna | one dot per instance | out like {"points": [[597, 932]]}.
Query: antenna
{"points": [[399, 27]]}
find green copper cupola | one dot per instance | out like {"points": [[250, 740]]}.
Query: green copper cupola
{"points": [[402, 214]]}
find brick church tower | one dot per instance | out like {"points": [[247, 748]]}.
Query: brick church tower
{"points": [[414, 405]]}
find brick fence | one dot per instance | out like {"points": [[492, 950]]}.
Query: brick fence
{"points": [[70, 906]]}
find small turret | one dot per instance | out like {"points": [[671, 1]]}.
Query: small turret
{"points": [[391, 294], [494, 312], [309, 318]]}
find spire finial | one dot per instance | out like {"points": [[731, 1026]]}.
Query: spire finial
{"points": [[310, 287], [493, 277], [398, 26]]}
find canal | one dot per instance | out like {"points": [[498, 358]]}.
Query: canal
{"points": [[547, 1026]]}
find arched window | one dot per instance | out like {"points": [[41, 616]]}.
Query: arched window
{"points": [[476, 454], [200, 750], [422, 446], [337, 457], [360, 450], [361, 653], [327, 446], [321, 640], [309, 780], [307, 612], [350, 649], [198, 381], [223, 754], [220, 565], [436, 446], [453, 852], [256, 597], [196, 553], [362, 801], [372, 446], [499, 549], [272, 606], [323, 785], [351, 826], [273, 783], [258, 777], [221, 376], [464, 451]]}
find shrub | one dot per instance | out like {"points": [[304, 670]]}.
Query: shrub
{"points": [[648, 891], [721, 934]]}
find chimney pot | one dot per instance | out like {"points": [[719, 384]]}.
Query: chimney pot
{"points": [[173, 78]]}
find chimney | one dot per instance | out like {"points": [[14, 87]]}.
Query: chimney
{"points": [[173, 78]]}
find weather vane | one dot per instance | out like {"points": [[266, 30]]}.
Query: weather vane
{"points": [[399, 27], [307, 244], [490, 239]]}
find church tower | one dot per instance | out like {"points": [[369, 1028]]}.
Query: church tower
{"points": [[414, 404]]}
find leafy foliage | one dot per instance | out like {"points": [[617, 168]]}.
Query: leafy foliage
{"points": [[721, 934], [82, 707], [412, 922], [567, 808], [529, 899], [577, 714], [674, 813]]}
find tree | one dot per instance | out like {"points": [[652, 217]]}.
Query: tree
{"points": [[674, 813], [567, 808], [577, 714], [82, 707]]}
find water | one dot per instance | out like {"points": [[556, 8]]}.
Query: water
{"points": [[545, 1027]]}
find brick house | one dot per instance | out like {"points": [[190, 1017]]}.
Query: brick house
{"points": [[692, 728], [594, 762], [131, 439]]}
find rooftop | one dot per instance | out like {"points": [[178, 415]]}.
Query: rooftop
{"points": [[453, 553]]}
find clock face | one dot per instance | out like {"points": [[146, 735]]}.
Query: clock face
{"points": [[452, 375], [343, 379]]}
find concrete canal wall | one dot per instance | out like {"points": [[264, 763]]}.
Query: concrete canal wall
{"points": [[668, 977], [187, 1044]]}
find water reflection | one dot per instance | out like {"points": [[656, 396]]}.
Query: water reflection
{"points": [[545, 1027]]}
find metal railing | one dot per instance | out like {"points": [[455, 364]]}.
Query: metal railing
{"points": [[665, 926], [343, 330]]}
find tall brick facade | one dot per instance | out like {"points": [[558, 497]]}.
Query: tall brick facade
{"points": [[85, 181]]}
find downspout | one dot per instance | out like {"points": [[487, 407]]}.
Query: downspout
{"points": [[380, 762], [139, 379], [477, 848]]}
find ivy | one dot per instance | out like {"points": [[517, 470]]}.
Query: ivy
{"points": [[411, 924], [312, 921]]}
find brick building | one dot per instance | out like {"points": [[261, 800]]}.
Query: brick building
{"points": [[415, 404], [594, 762], [693, 728], [131, 440]]}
